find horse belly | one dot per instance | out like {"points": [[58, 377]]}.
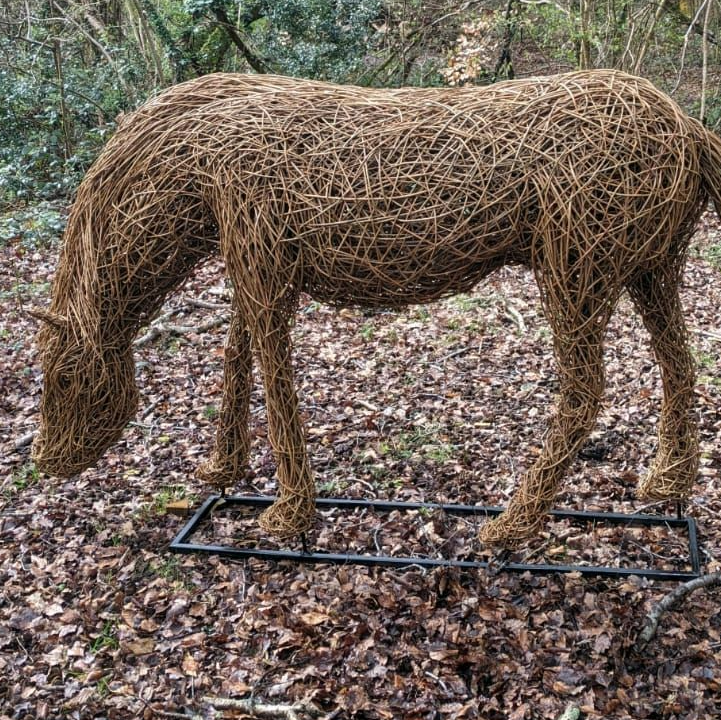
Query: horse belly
{"points": [[378, 265]]}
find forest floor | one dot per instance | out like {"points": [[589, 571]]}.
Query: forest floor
{"points": [[443, 403]]}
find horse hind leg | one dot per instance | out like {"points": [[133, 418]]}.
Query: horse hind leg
{"points": [[229, 462], [673, 471], [578, 320]]}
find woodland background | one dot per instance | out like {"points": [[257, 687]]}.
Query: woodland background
{"points": [[68, 68], [439, 403]]}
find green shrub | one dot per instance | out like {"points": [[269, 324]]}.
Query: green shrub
{"points": [[34, 226]]}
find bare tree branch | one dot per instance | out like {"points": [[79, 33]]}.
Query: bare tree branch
{"points": [[704, 61], [68, 18], [159, 328], [263, 710], [682, 591], [257, 63]]}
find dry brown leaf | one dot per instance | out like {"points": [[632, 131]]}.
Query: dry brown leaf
{"points": [[190, 665], [141, 646], [602, 643], [314, 617]]}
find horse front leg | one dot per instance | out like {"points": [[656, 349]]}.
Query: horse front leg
{"points": [[578, 345], [655, 295], [229, 462], [294, 510]]}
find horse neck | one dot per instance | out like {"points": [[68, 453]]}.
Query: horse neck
{"points": [[131, 302], [109, 290]]}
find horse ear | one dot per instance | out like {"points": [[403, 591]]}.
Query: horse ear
{"points": [[51, 318]]}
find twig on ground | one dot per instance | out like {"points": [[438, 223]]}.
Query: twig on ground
{"points": [[24, 440], [184, 716], [653, 618], [156, 330], [197, 302], [455, 353], [262, 709], [367, 405], [223, 293], [334, 714], [709, 334], [516, 318], [437, 679], [149, 410]]}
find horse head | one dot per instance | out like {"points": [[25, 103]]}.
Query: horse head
{"points": [[89, 395]]}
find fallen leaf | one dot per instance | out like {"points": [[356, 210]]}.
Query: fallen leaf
{"points": [[141, 646], [314, 618], [190, 665]]}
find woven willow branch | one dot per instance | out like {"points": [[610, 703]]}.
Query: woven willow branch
{"points": [[364, 197]]}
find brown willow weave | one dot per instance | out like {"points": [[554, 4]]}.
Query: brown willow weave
{"points": [[363, 197]]}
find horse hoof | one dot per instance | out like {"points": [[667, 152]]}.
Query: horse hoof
{"points": [[220, 476], [284, 520], [672, 483], [508, 531], [661, 489]]}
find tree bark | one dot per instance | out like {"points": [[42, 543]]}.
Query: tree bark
{"points": [[504, 66], [64, 116], [257, 63]]}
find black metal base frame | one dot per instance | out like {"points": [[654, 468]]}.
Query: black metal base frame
{"points": [[182, 542]]}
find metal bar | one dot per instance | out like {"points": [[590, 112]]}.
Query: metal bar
{"points": [[181, 542], [693, 547], [193, 523], [404, 562], [483, 510]]}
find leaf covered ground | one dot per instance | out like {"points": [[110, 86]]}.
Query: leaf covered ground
{"points": [[445, 403]]}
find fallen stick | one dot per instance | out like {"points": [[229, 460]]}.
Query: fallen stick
{"points": [[708, 334], [516, 317], [180, 716], [262, 709], [247, 705], [653, 618], [24, 440], [197, 302], [156, 331]]}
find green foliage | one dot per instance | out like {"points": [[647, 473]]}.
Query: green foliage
{"points": [[67, 73], [106, 639], [31, 162], [303, 38], [210, 412], [49, 139], [554, 30], [368, 331], [637, 37], [165, 496], [713, 255], [24, 476], [319, 39], [61, 98], [37, 226]]}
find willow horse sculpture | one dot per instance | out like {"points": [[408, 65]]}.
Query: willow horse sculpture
{"points": [[359, 197]]}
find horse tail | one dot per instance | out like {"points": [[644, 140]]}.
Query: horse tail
{"points": [[711, 164]]}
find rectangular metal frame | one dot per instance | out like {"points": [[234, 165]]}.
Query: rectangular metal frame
{"points": [[182, 542]]}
